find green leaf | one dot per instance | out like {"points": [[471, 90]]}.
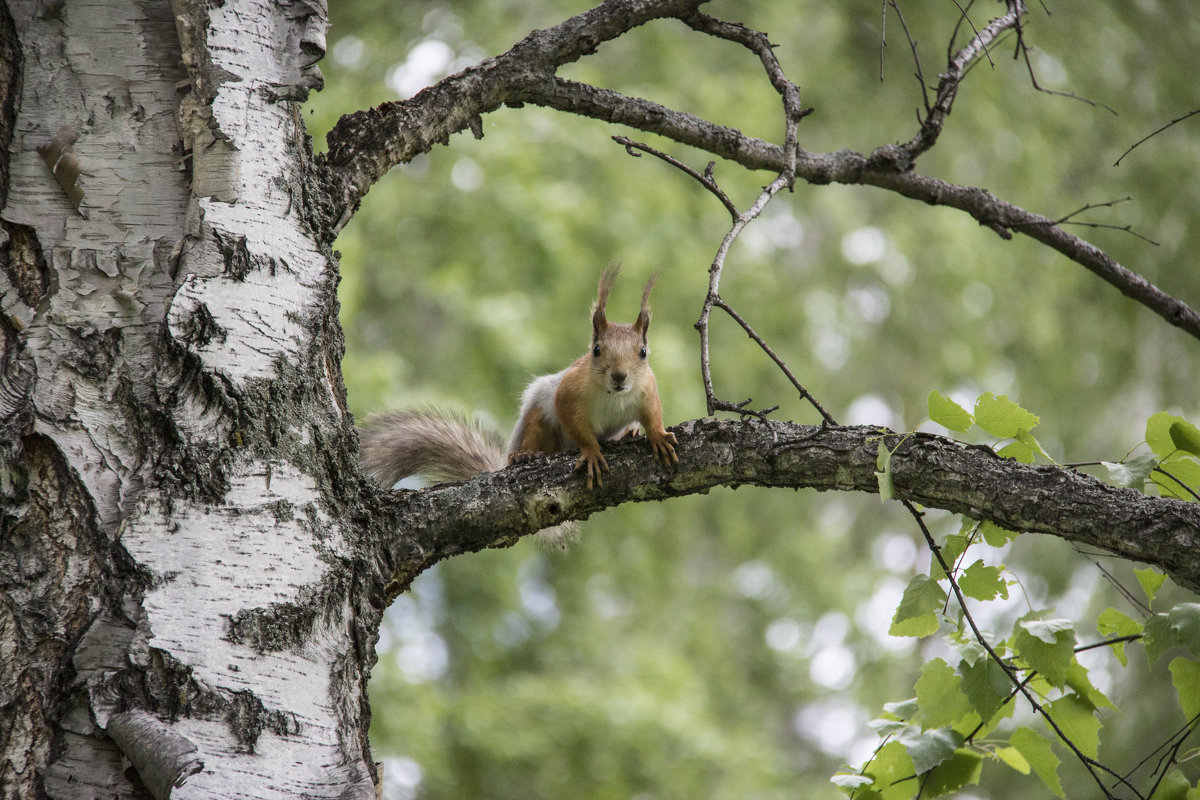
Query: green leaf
{"points": [[1150, 579], [917, 613], [883, 474], [1175, 786], [1040, 755], [927, 749], [1131, 473], [955, 545], [1081, 683], [902, 709], [890, 769], [1026, 438], [1013, 758], [847, 781], [1049, 630], [1077, 719], [961, 769], [1184, 469], [983, 583], [940, 696], [994, 535], [1017, 451], [986, 685], [1185, 674], [947, 413], [1179, 627], [1158, 433], [1113, 623], [1001, 417], [1185, 436], [1046, 645]]}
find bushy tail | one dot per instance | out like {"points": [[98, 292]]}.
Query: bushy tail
{"points": [[438, 445]]}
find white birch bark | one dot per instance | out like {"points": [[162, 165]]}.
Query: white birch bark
{"points": [[170, 374]]}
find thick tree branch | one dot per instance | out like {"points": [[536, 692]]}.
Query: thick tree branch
{"points": [[889, 167], [496, 509], [364, 145]]}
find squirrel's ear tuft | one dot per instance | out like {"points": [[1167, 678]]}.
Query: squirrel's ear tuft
{"points": [[642, 324], [607, 279]]}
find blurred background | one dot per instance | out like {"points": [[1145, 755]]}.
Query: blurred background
{"points": [[735, 645]]}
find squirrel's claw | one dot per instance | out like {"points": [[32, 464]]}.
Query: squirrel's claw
{"points": [[596, 463], [663, 446]]}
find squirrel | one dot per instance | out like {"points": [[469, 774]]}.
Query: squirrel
{"points": [[605, 394]]}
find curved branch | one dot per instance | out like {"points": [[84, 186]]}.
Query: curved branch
{"points": [[496, 509], [364, 145], [889, 167]]}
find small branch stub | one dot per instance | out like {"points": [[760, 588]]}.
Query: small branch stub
{"points": [[164, 760]]}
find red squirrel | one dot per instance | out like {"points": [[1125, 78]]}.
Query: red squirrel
{"points": [[607, 393]]}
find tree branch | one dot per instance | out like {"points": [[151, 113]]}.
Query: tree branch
{"points": [[364, 145], [496, 509], [889, 167]]}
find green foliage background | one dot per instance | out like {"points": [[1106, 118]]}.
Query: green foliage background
{"points": [[736, 644]]}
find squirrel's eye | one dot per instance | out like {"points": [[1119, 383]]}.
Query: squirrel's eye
{"points": [[596, 351], [642, 353]]}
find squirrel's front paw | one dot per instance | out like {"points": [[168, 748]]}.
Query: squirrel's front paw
{"points": [[521, 456], [596, 463], [663, 445]]}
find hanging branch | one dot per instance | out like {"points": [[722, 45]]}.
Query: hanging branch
{"points": [[1089, 763]]}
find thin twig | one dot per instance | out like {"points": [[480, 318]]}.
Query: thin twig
{"points": [[759, 44], [1116, 584], [982, 41], [882, 35], [1175, 121], [706, 179], [714, 279], [1172, 755], [1186, 488], [947, 89], [1133, 637], [1023, 51], [1089, 763], [1088, 207], [720, 303], [1180, 732], [912, 45]]}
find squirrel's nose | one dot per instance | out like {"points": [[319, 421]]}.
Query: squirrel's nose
{"points": [[618, 378]]}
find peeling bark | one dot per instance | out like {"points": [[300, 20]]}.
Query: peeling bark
{"points": [[176, 449]]}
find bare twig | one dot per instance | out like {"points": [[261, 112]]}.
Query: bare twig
{"points": [[1068, 221], [912, 45], [951, 79], [721, 304], [1022, 50], [1140, 141], [706, 179], [760, 45], [714, 279], [983, 42]]}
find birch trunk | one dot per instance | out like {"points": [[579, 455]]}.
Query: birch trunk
{"points": [[173, 414]]}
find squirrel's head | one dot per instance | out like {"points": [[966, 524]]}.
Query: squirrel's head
{"points": [[619, 351]]}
